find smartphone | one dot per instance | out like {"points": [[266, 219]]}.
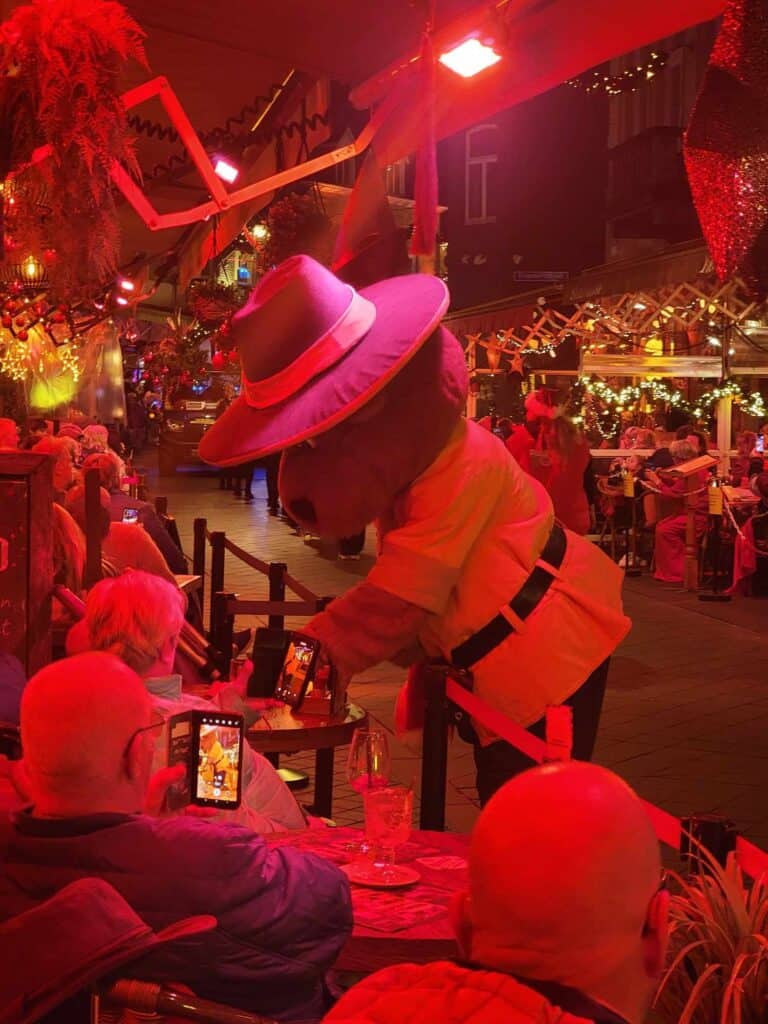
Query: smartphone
{"points": [[210, 744], [130, 515], [298, 669], [269, 647], [760, 444]]}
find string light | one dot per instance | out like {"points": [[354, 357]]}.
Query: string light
{"points": [[625, 81], [616, 401]]}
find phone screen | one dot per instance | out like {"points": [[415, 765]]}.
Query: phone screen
{"points": [[760, 443], [296, 673], [218, 771], [130, 515]]}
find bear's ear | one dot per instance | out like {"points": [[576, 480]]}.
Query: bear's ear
{"points": [[370, 247]]}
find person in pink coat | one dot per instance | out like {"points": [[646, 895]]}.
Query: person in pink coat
{"points": [[553, 451]]}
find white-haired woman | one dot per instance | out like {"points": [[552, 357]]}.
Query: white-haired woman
{"points": [[138, 617]]}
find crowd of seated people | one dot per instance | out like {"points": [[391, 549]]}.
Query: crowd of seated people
{"points": [[138, 617], [538, 938], [137, 542], [95, 809]]}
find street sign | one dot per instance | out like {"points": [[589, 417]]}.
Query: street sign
{"points": [[540, 276]]}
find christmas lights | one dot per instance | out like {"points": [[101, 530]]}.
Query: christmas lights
{"points": [[626, 81]]}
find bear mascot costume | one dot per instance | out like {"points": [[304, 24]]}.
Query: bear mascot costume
{"points": [[364, 393]]}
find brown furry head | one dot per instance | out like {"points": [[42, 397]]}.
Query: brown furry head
{"points": [[350, 476]]}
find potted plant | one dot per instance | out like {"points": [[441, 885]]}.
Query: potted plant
{"points": [[717, 969]]}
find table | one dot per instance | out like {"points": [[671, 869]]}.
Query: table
{"points": [[440, 859], [282, 731]]}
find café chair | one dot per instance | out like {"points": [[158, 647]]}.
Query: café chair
{"points": [[61, 957], [157, 1002]]}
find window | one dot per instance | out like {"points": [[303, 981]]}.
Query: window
{"points": [[394, 177], [480, 157]]}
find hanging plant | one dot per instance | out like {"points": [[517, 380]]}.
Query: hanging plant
{"points": [[212, 303], [61, 86], [297, 224], [180, 356]]}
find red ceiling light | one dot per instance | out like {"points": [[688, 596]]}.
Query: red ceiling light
{"points": [[225, 170], [470, 58]]}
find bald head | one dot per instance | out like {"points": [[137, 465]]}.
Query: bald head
{"points": [[77, 720], [563, 865]]}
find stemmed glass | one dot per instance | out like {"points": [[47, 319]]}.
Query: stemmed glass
{"points": [[388, 813], [368, 767]]}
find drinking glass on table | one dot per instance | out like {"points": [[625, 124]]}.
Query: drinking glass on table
{"points": [[367, 766], [388, 813]]}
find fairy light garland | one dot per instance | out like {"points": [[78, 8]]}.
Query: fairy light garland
{"points": [[616, 401], [625, 81]]}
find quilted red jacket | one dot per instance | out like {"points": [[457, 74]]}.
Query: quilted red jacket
{"points": [[447, 993]]}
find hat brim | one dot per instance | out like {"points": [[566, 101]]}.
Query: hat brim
{"points": [[408, 310]]}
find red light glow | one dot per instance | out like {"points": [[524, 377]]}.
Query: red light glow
{"points": [[470, 58]]}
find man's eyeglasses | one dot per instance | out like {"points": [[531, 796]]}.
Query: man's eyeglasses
{"points": [[155, 728]]}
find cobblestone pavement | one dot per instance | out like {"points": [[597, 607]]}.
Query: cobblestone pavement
{"points": [[686, 713]]}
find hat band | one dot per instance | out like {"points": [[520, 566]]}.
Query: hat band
{"points": [[349, 329]]}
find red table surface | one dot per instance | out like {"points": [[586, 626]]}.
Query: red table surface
{"points": [[369, 949]]}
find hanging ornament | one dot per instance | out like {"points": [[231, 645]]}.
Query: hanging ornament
{"points": [[726, 147], [219, 361]]}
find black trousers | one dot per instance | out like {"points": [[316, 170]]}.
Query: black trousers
{"points": [[499, 762]]}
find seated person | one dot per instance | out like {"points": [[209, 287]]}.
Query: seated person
{"points": [[669, 545], [564, 920], [9, 435], [63, 468], [123, 545], [138, 618], [747, 462], [283, 916], [110, 469]]}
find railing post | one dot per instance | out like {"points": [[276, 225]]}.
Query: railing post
{"points": [[434, 764], [217, 567], [713, 833], [93, 515], [198, 556], [222, 628], [277, 571]]}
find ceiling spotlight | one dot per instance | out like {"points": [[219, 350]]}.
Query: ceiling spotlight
{"points": [[225, 170], [125, 284], [470, 58], [121, 300]]}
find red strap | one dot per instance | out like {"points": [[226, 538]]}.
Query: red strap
{"points": [[751, 859], [496, 723]]}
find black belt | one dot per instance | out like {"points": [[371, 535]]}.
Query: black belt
{"points": [[522, 604]]}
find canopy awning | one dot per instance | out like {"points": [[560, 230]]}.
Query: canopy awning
{"points": [[683, 263], [225, 69]]}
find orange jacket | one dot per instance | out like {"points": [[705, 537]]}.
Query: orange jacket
{"points": [[444, 991]]}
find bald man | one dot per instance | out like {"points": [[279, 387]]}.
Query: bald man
{"points": [[564, 914], [88, 732]]}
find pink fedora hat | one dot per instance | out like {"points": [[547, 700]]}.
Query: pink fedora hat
{"points": [[313, 351]]}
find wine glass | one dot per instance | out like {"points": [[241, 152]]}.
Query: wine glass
{"points": [[367, 767], [388, 813]]}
